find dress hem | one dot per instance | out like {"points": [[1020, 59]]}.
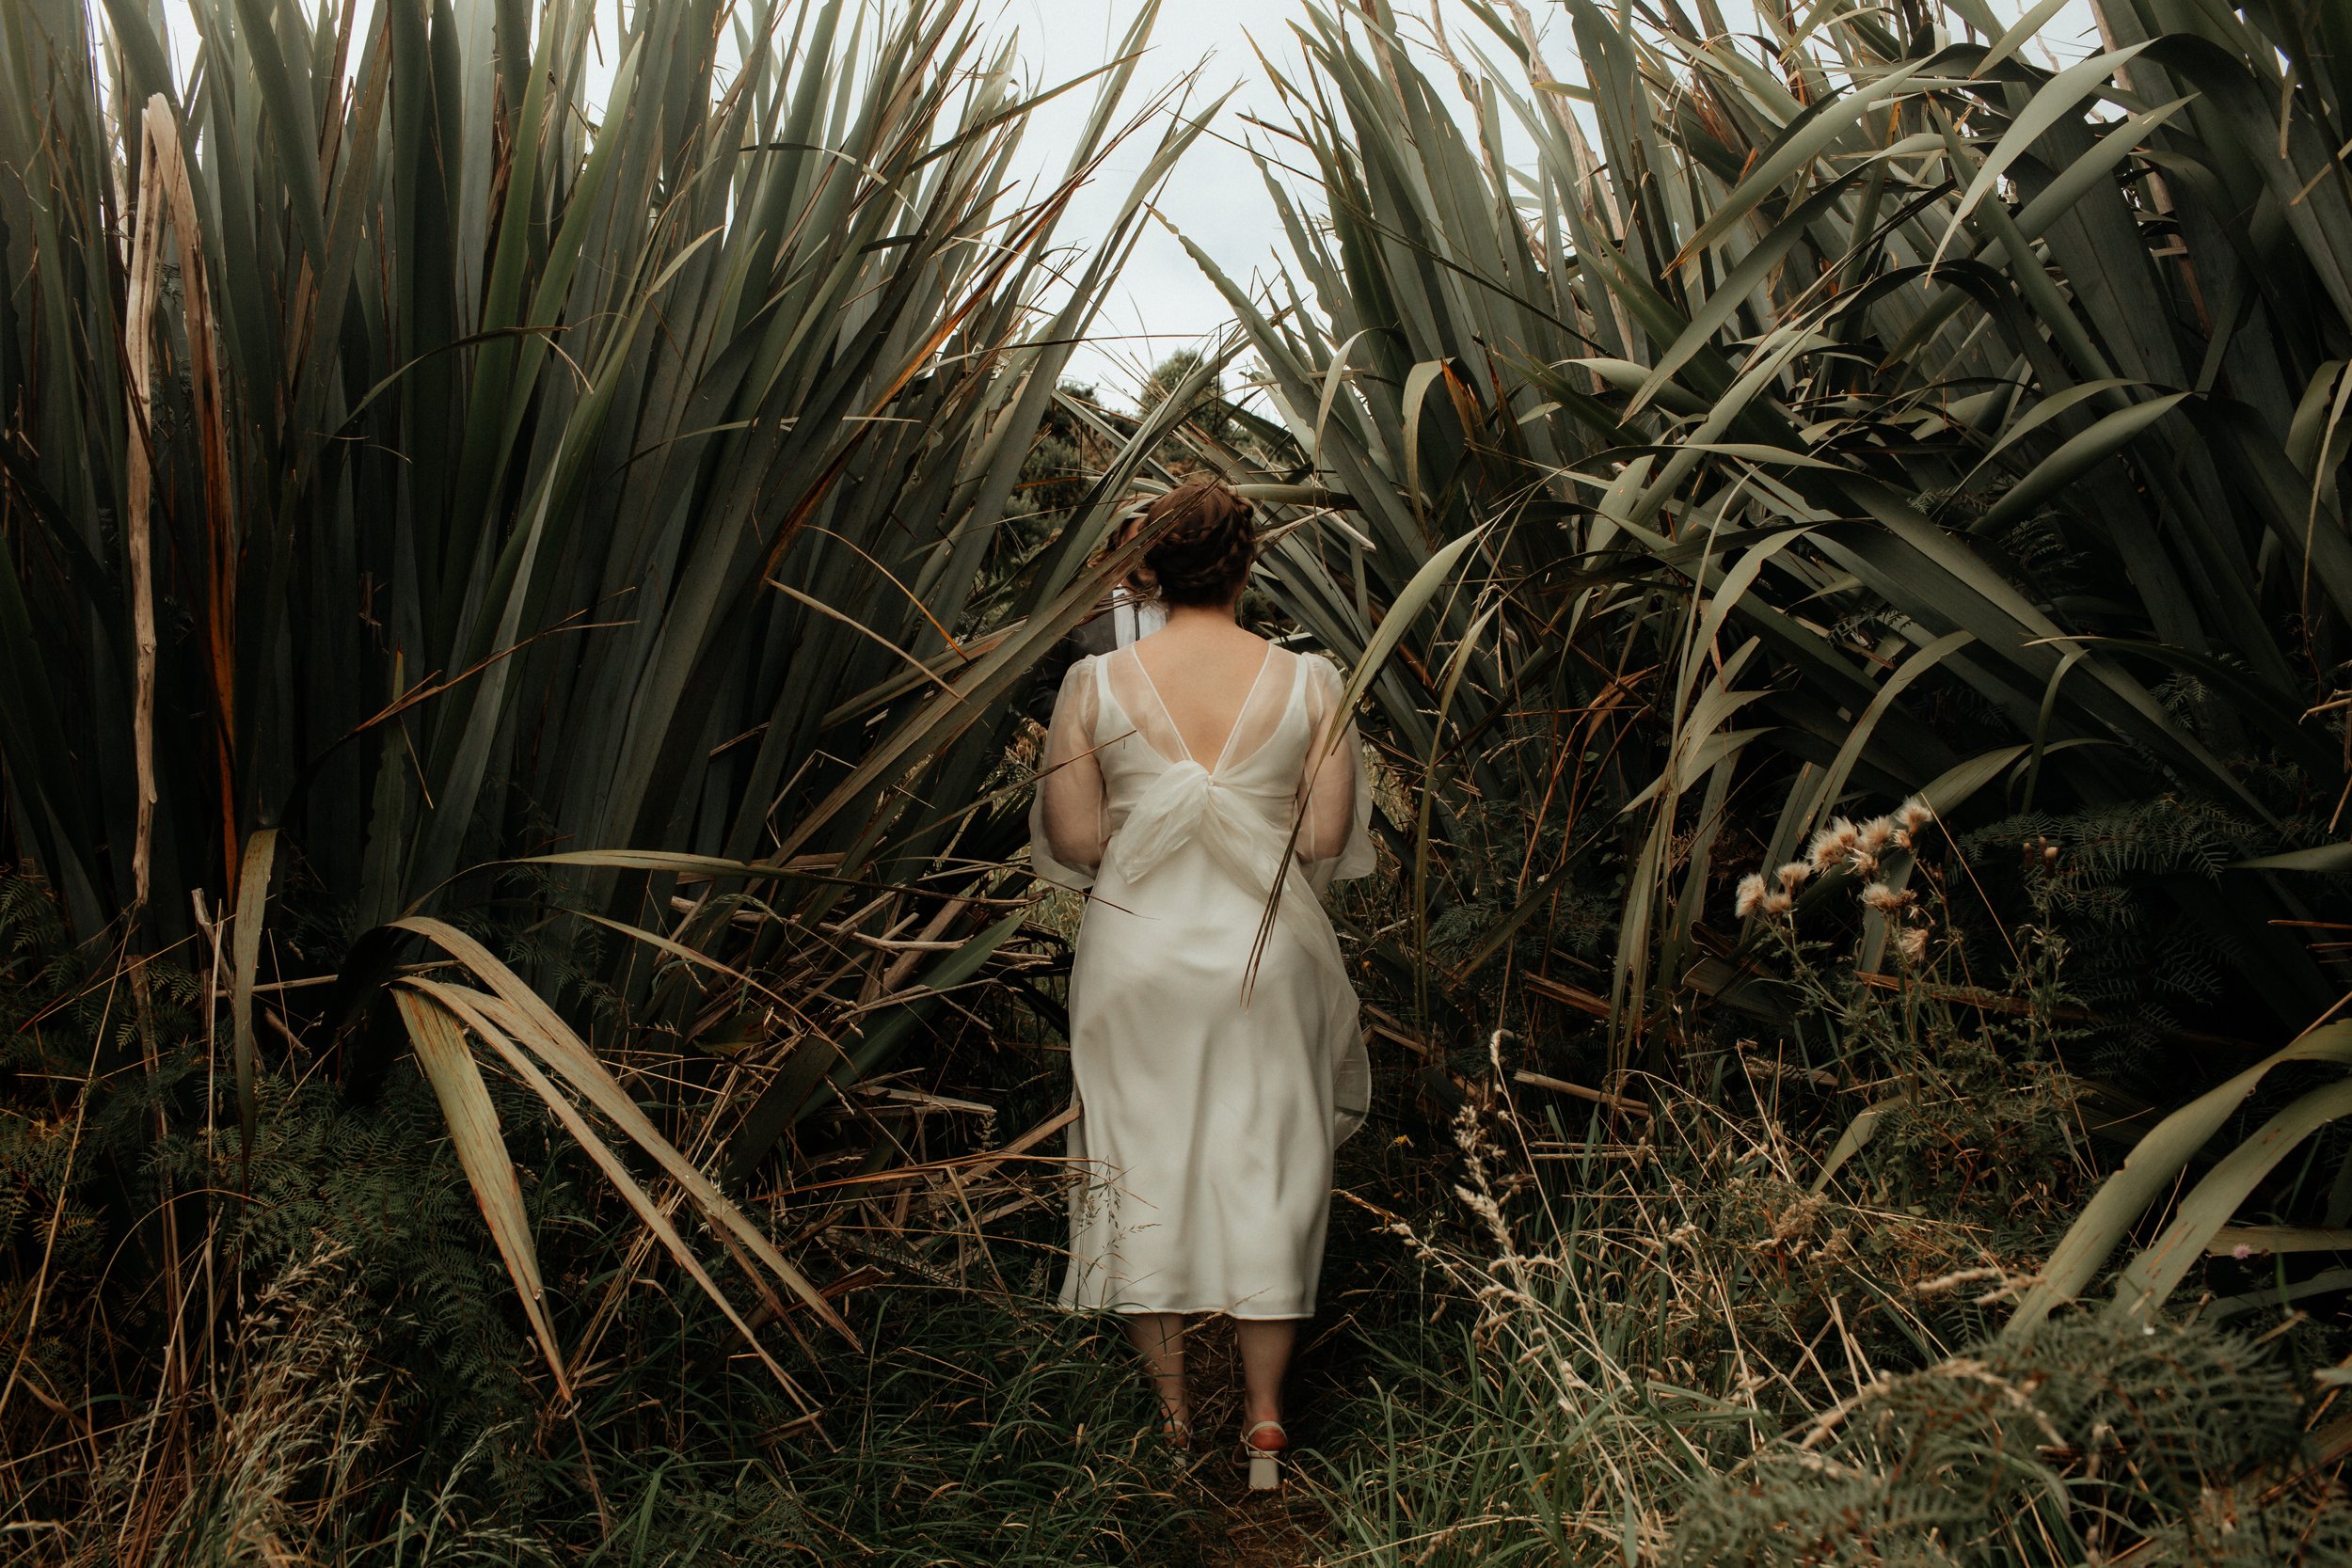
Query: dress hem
{"points": [[1136, 1309]]}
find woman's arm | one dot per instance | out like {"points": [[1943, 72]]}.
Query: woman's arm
{"points": [[1069, 821], [1335, 793]]}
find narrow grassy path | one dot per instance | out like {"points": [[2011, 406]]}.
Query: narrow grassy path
{"points": [[1289, 1529]]}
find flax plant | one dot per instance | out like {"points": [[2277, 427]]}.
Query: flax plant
{"points": [[1869, 407], [1874, 407], [461, 534]]}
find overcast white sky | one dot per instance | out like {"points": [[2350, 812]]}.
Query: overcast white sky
{"points": [[1215, 196], [1162, 302]]}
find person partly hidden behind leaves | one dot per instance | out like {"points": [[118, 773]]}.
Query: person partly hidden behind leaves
{"points": [[1131, 609]]}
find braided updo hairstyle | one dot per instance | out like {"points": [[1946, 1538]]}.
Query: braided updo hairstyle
{"points": [[1204, 558]]}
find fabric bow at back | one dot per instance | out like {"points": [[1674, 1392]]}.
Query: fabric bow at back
{"points": [[1188, 803]]}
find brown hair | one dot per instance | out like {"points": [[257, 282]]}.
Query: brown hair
{"points": [[1204, 558]]}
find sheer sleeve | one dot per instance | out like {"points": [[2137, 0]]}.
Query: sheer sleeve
{"points": [[1335, 796], [1067, 822]]}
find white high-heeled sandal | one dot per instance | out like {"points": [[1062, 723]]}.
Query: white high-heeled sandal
{"points": [[1266, 1465]]}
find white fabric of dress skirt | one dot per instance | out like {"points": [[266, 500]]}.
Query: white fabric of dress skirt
{"points": [[1211, 1091]]}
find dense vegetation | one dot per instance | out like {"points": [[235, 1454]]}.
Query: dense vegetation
{"points": [[526, 1037]]}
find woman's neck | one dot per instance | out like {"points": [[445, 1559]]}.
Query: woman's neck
{"points": [[1203, 616]]}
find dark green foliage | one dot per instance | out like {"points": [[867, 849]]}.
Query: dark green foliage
{"points": [[572, 475], [2154, 940], [1206, 411], [374, 1187], [1820, 450], [1057, 478], [377, 1401], [2082, 1432]]}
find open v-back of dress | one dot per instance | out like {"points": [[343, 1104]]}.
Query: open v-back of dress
{"points": [[1211, 1094]]}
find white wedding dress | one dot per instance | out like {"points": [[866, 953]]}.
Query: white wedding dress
{"points": [[1210, 1092]]}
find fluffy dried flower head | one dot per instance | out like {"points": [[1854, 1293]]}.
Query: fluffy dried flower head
{"points": [[1792, 876], [1832, 844], [1911, 942], [1777, 903], [1872, 836], [1914, 813], [1884, 899], [1751, 896]]}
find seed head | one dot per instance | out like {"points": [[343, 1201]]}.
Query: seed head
{"points": [[1793, 875], [1751, 896], [1885, 899], [1832, 844]]}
